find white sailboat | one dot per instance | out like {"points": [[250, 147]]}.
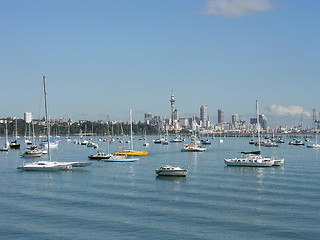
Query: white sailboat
{"points": [[254, 159], [50, 165], [131, 152], [193, 147], [315, 144], [14, 144], [6, 143]]}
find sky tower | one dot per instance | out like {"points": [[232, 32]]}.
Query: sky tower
{"points": [[172, 107]]}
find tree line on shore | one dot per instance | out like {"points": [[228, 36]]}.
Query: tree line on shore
{"points": [[76, 128]]}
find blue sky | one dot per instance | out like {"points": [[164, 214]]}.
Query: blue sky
{"points": [[105, 57]]}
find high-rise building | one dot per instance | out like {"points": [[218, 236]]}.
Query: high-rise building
{"points": [[172, 101], [235, 118], [175, 115], [28, 117], [204, 113], [263, 121], [148, 117], [220, 116]]}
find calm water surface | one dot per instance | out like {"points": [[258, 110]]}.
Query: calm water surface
{"points": [[128, 201]]}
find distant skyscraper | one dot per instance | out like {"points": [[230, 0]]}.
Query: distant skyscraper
{"points": [[235, 118], [28, 117], [175, 115], [263, 121], [148, 117], [220, 116], [172, 101], [204, 113]]}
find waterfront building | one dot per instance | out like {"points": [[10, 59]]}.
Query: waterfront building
{"points": [[220, 116]]}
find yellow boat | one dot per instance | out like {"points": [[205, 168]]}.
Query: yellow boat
{"points": [[131, 153]]}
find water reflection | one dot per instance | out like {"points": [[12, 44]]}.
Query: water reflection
{"points": [[171, 179]]}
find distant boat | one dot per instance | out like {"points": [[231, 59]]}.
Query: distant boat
{"points": [[131, 152], [14, 144], [296, 142], [32, 152], [171, 171], [49, 165], [6, 143], [254, 159], [316, 144], [193, 147], [206, 142], [99, 156], [115, 158]]}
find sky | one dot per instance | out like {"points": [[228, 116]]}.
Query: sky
{"points": [[104, 57]]}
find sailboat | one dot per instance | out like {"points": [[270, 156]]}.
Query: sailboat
{"points": [[131, 152], [193, 147], [6, 143], [50, 165], [254, 159], [146, 144], [14, 144], [316, 144]]}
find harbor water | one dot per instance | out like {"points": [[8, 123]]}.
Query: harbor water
{"points": [[110, 200]]}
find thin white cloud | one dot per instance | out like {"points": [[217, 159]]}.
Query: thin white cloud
{"points": [[286, 111], [236, 8]]}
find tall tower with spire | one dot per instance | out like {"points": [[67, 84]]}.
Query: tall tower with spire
{"points": [[172, 101]]}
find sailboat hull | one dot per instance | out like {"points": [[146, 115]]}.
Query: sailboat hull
{"points": [[131, 153]]}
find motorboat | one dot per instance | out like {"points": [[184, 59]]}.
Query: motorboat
{"points": [[171, 171], [206, 142], [99, 156], [314, 145], [32, 152], [52, 144], [14, 144], [92, 144], [296, 142], [269, 143], [176, 140]]}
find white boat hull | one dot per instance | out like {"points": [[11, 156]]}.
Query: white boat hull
{"points": [[242, 162], [175, 173], [45, 166]]}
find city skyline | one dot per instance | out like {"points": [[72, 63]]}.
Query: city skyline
{"points": [[103, 58]]}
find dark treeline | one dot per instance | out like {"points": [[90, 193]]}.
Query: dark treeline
{"points": [[88, 127]]}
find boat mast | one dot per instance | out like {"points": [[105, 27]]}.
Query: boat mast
{"points": [[257, 109], [7, 142], [131, 139], [47, 117], [16, 134]]}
